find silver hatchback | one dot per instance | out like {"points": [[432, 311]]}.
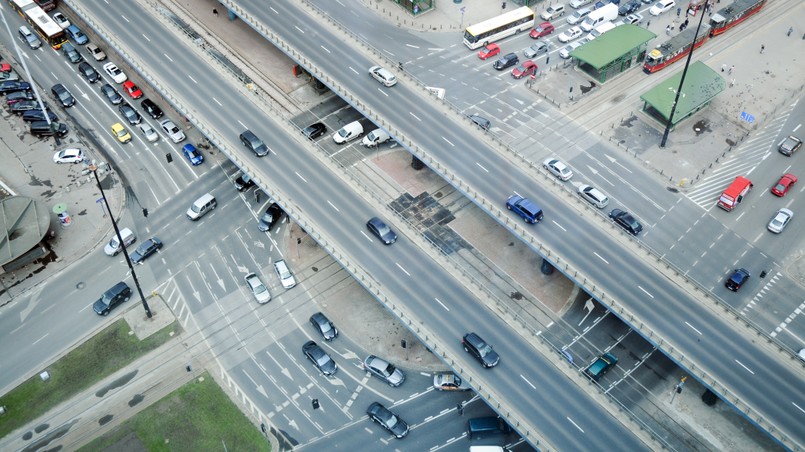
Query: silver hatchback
{"points": [[593, 195], [382, 369]]}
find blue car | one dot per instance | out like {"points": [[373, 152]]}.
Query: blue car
{"points": [[192, 154], [524, 207], [77, 35]]}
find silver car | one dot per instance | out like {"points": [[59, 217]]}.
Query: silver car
{"points": [[383, 370], [383, 76], [284, 274], [558, 168], [780, 220], [538, 47], [258, 289], [175, 133], [149, 132], [593, 195]]}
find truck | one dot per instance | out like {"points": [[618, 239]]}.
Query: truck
{"points": [[603, 14], [735, 193]]}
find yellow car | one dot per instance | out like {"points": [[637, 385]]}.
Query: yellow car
{"points": [[120, 133]]}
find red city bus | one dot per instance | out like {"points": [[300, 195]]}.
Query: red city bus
{"points": [[735, 193]]}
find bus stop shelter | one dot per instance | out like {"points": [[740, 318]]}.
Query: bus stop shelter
{"points": [[613, 52], [702, 84]]}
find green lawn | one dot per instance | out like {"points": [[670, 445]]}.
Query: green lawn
{"points": [[95, 359], [196, 417]]}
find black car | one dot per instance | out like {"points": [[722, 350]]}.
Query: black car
{"points": [[9, 86], [243, 182], [256, 145], [314, 130], [17, 96], [737, 279], [506, 61], [320, 358], [39, 115], [269, 218], [119, 293], [380, 229], [146, 249], [151, 108], [88, 72], [111, 94], [24, 105], [129, 113], [387, 419], [324, 326], [626, 221], [63, 95], [628, 7], [481, 121], [483, 352]]}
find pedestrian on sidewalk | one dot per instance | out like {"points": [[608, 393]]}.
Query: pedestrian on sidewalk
{"points": [[678, 12], [762, 48], [732, 82], [685, 23], [668, 30], [724, 67], [790, 30], [215, 12], [730, 71]]}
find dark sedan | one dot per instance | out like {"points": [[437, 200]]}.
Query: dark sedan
{"points": [[314, 130], [320, 358], [481, 121], [324, 326], [380, 229], [151, 108], [111, 94], [387, 419], [737, 279], [88, 72], [146, 249], [9, 86], [17, 96], [269, 218], [63, 95], [626, 221], [130, 113], [22, 106], [243, 182]]}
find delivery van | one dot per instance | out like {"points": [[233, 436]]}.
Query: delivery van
{"points": [[113, 247], [200, 207], [603, 14], [348, 133], [375, 137]]}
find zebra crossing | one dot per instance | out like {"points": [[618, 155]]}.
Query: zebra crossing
{"points": [[741, 162]]}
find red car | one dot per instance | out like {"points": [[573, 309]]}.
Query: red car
{"points": [[525, 69], [784, 184], [544, 29], [488, 51], [132, 90]]}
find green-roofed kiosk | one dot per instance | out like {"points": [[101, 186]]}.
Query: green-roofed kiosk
{"points": [[613, 52], [702, 84]]}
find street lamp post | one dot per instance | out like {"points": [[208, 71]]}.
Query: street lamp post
{"points": [[94, 170]]}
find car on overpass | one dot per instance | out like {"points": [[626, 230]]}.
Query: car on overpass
{"points": [[625, 220], [527, 209]]}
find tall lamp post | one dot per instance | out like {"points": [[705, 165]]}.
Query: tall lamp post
{"points": [[684, 73], [94, 170]]}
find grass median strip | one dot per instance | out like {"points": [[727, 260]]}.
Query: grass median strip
{"points": [[100, 356], [197, 416]]}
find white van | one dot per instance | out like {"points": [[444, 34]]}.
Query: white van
{"points": [[348, 133], [603, 14], [201, 207], [600, 29], [113, 247], [375, 137]]}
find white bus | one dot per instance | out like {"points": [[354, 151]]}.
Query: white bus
{"points": [[507, 24], [43, 24]]}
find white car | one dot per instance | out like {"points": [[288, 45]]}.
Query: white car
{"points": [[570, 34], [258, 289], [780, 220], [565, 52], [661, 7], [634, 19], [284, 273], [175, 133], [149, 132], [383, 75], [557, 168], [117, 75], [96, 52], [71, 155], [593, 195], [61, 20]]}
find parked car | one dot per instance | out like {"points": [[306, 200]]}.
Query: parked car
{"points": [[71, 155], [243, 182], [176, 135], [784, 184], [192, 154], [543, 29], [9, 86], [132, 90], [319, 358], [314, 130], [17, 96], [88, 72], [780, 220], [557, 168], [62, 95], [626, 221], [601, 366], [383, 75], [111, 94], [284, 274], [18, 108], [151, 108], [628, 7], [448, 381], [633, 19], [661, 7], [737, 279], [324, 326], [150, 134], [146, 249], [129, 113], [95, 52], [257, 288], [383, 370], [507, 61], [483, 352], [489, 51], [114, 72], [39, 115], [536, 48], [269, 218], [380, 229], [61, 20], [388, 420]]}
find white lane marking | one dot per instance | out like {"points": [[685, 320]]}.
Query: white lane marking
{"points": [[37, 341], [299, 176], [325, 49], [694, 329], [415, 116], [333, 206], [300, 30], [798, 407], [482, 167], [742, 365], [645, 291], [401, 268], [558, 225], [445, 307], [364, 234], [605, 261], [529, 383], [448, 142], [575, 424], [192, 79]]}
